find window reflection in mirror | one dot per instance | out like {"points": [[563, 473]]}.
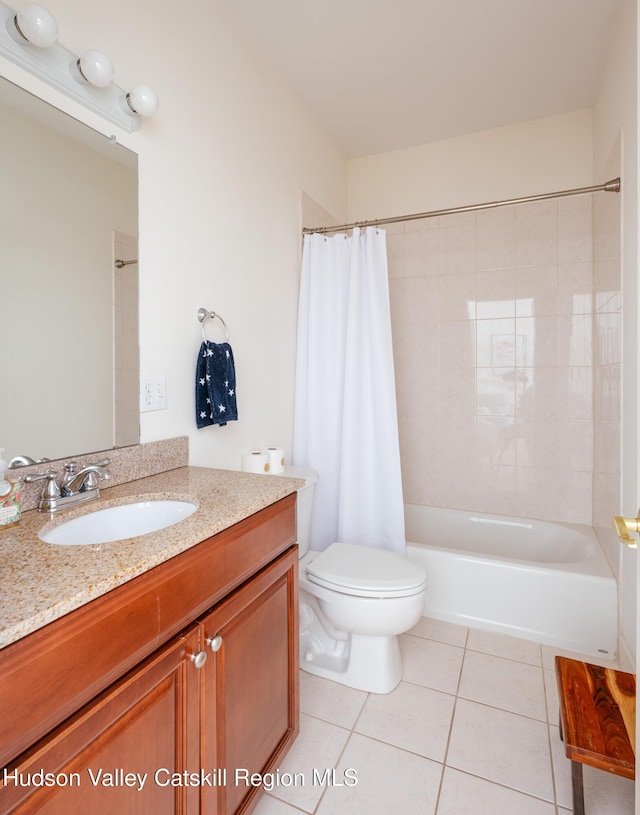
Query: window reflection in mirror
{"points": [[68, 318]]}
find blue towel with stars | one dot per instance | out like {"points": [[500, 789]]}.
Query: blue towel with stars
{"points": [[215, 385]]}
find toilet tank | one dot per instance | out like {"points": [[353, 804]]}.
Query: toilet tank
{"points": [[304, 503]]}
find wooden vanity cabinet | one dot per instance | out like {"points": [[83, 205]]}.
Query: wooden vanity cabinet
{"points": [[221, 694], [250, 685]]}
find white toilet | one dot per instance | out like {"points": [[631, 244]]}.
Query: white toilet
{"points": [[354, 602]]}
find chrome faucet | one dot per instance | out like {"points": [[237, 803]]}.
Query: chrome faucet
{"points": [[74, 480], [76, 486]]}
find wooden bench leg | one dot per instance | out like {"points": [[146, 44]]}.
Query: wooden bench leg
{"points": [[578, 789]]}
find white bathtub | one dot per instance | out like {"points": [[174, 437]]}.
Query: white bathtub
{"points": [[548, 582]]}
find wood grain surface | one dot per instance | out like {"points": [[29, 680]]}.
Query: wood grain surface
{"points": [[598, 715]]}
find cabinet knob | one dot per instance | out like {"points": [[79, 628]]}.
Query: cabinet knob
{"points": [[198, 659], [215, 643]]}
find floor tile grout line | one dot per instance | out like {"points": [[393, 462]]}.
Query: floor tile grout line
{"points": [[415, 684], [449, 734], [456, 695], [328, 721], [550, 735], [501, 784], [360, 712], [477, 650], [451, 723], [507, 658], [288, 803], [335, 766], [553, 767]]}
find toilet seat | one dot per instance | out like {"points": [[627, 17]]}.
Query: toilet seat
{"points": [[365, 571]]}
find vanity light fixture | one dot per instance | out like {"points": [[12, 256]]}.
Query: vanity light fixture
{"points": [[28, 38]]}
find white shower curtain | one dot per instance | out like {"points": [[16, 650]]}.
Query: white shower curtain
{"points": [[345, 423]]}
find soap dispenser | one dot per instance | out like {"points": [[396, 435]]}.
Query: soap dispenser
{"points": [[9, 495]]}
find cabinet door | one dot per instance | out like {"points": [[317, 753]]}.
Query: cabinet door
{"points": [[249, 715], [118, 753]]}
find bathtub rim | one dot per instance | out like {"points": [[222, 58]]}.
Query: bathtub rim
{"points": [[595, 564]]}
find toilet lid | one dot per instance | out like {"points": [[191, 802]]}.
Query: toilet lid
{"points": [[366, 571]]}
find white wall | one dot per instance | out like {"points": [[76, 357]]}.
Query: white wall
{"points": [[540, 156], [616, 140], [221, 170]]}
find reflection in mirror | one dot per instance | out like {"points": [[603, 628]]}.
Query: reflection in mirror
{"points": [[68, 316]]}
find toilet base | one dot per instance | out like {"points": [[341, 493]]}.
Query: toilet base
{"points": [[365, 662]]}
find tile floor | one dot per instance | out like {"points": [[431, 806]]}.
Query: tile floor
{"points": [[471, 730]]}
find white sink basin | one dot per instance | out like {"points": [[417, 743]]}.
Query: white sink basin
{"points": [[118, 523]]}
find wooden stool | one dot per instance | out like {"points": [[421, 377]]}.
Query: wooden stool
{"points": [[597, 721]]}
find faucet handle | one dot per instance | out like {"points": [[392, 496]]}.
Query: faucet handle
{"points": [[91, 481], [70, 469], [51, 488]]}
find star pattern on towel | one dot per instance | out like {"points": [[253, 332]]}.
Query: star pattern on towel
{"points": [[215, 385]]}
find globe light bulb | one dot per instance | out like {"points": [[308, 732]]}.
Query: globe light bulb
{"points": [[37, 25], [143, 100], [96, 68]]}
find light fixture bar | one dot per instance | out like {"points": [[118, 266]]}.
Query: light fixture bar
{"points": [[52, 65]]}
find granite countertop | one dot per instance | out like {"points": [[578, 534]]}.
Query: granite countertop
{"points": [[43, 581]]}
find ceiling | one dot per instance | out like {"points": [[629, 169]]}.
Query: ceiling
{"points": [[388, 74]]}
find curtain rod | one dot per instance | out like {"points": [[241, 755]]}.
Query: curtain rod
{"points": [[609, 186]]}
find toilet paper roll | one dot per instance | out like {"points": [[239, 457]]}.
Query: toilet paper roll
{"points": [[255, 462], [276, 459]]}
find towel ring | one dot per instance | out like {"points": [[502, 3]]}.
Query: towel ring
{"points": [[203, 315]]}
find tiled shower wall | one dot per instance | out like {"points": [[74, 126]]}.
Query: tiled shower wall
{"points": [[492, 317]]}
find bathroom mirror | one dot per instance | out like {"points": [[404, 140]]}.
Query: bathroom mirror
{"points": [[68, 317]]}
